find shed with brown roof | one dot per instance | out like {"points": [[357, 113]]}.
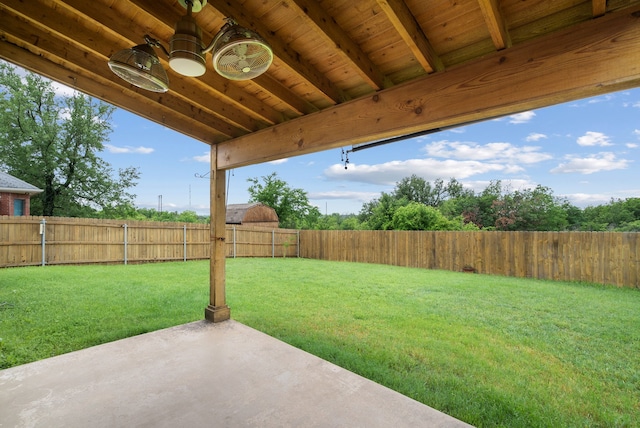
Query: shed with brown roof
{"points": [[253, 214]]}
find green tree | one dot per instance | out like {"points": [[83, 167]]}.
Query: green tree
{"points": [[530, 209], [291, 205], [479, 210], [350, 222], [337, 221], [417, 216], [417, 189], [53, 143], [615, 215], [120, 212], [574, 215], [311, 218], [378, 214]]}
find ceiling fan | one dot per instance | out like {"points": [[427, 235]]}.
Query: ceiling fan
{"points": [[238, 54]]}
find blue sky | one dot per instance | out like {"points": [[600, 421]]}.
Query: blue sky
{"points": [[587, 151]]}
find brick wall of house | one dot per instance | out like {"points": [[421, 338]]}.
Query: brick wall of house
{"points": [[7, 202]]}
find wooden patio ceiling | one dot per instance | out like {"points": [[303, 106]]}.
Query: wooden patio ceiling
{"points": [[345, 72]]}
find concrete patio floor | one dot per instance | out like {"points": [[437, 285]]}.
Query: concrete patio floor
{"points": [[201, 375]]}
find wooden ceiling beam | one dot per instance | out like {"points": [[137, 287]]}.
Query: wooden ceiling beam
{"points": [[495, 23], [162, 12], [588, 59], [81, 61], [165, 14], [317, 18], [410, 31], [281, 92], [598, 7], [251, 114], [57, 19], [96, 87], [292, 59]]}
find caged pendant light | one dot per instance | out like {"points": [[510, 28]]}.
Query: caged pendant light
{"points": [[238, 54], [141, 67]]}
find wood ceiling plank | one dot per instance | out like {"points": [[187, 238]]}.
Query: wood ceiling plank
{"points": [[585, 60], [213, 91], [324, 24], [406, 25], [284, 94], [62, 20], [293, 60], [223, 96], [495, 23], [525, 13], [599, 7], [81, 59], [450, 25], [553, 22], [96, 87]]}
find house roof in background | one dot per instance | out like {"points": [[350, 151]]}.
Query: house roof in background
{"points": [[11, 184]]}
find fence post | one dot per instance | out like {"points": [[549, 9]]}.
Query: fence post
{"points": [[43, 229], [125, 243], [234, 242], [273, 243], [298, 244], [184, 240]]}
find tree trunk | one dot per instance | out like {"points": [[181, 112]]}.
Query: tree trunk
{"points": [[49, 196]]}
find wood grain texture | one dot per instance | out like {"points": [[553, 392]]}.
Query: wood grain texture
{"points": [[591, 59]]}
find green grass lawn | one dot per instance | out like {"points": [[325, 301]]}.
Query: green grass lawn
{"points": [[492, 351]]}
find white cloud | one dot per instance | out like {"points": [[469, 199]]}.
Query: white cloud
{"points": [[128, 149], [600, 99], [63, 90], [535, 136], [64, 114], [460, 130], [592, 138], [636, 132], [344, 194], [278, 161], [632, 145], [496, 152], [205, 158], [605, 161], [389, 173], [585, 199], [523, 117]]}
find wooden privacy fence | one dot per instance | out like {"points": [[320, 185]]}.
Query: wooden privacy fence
{"points": [[598, 257], [56, 240]]}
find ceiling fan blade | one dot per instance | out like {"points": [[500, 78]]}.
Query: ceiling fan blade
{"points": [[228, 59], [241, 49]]}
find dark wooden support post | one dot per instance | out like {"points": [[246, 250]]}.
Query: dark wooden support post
{"points": [[217, 310]]}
